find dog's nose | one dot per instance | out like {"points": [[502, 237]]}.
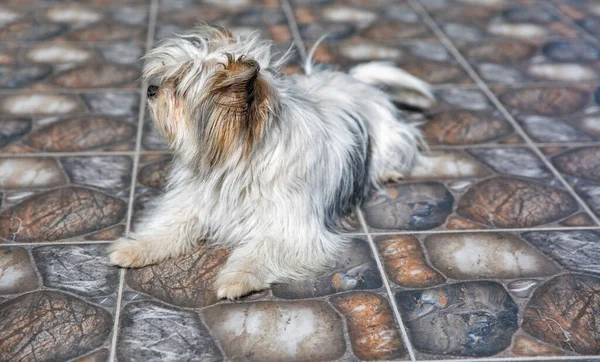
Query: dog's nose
{"points": [[152, 90]]}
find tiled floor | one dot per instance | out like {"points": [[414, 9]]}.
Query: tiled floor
{"points": [[492, 251]]}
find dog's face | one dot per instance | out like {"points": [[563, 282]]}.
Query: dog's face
{"points": [[210, 94]]}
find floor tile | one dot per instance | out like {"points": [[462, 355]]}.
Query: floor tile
{"points": [[471, 319], [585, 14], [494, 294], [474, 21], [482, 188], [562, 313], [463, 289], [554, 113], [579, 166], [240, 17], [152, 331], [70, 65], [74, 22], [363, 31], [53, 199], [514, 61], [68, 122], [288, 322], [57, 302], [463, 116]]}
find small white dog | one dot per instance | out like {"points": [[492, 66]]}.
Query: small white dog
{"points": [[266, 165]]}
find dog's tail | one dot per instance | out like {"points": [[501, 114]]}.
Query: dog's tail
{"points": [[387, 74]]}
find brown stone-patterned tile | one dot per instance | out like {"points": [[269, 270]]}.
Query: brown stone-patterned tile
{"points": [[276, 331], [82, 133], [405, 263], [469, 189], [465, 127], [54, 325], [552, 150], [472, 256], [576, 250], [503, 202], [474, 21], [373, 331], [389, 22], [155, 174], [525, 346], [586, 14], [74, 22], [356, 269], [100, 355], [426, 59], [580, 163], [50, 325], [363, 32], [504, 61], [54, 122], [578, 220], [51, 65], [17, 273], [241, 18], [31, 196], [185, 281], [111, 233], [153, 331], [463, 116], [563, 313], [459, 223], [60, 214], [475, 319], [554, 114], [580, 168]]}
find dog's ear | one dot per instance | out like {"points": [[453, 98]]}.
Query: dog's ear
{"points": [[240, 106]]}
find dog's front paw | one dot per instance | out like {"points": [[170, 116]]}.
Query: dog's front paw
{"points": [[128, 253], [235, 284]]}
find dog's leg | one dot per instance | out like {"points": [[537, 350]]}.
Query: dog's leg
{"points": [[169, 229], [256, 264]]}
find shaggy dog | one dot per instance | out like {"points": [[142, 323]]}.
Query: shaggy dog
{"points": [[266, 165]]}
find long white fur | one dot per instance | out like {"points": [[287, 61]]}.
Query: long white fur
{"points": [[269, 209]]}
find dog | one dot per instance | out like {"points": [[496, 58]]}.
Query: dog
{"points": [[264, 164]]}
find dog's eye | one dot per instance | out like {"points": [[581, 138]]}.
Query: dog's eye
{"points": [[152, 90]]}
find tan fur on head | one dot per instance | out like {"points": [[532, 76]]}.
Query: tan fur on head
{"points": [[240, 108], [170, 111]]}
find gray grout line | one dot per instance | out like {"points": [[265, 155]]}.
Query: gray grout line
{"points": [[567, 19], [388, 289], [52, 243], [484, 88], [85, 153], [516, 359], [67, 154], [167, 152], [293, 26], [513, 230], [152, 14]]}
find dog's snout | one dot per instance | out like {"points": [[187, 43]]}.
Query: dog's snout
{"points": [[152, 90]]}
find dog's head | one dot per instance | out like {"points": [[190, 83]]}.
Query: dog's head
{"points": [[210, 94]]}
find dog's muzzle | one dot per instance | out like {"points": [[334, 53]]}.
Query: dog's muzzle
{"points": [[152, 91]]}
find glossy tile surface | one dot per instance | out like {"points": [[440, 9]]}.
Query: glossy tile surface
{"points": [[489, 248]]}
